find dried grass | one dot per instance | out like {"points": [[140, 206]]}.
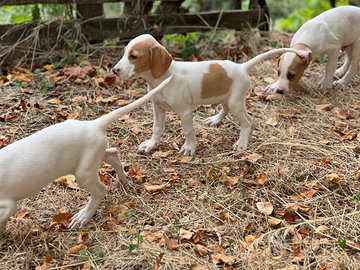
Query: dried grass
{"points": [[289, 151]]}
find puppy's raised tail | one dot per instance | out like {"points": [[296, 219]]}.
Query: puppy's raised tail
{"points": [[105, 120], [257, 59]]}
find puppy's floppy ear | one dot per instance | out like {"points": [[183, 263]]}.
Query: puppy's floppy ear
{"points": [[305, 56], [160, 60], [279, 60]]}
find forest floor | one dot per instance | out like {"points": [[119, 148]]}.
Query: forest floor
{"points": [[290, 201]]}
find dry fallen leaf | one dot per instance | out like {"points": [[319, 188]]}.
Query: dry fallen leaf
{"points": [[219, 256], [196, 266], [273, 222], [137, 175], [271, 121], [172, 244], [250, 238], [254, 157], [210, 175], [77, 72], [152, 188], [289, 218], [161, 154], [158, 260], [202, 250], [299, 254], [321, 230], [82, 237], [265, 208], [228, 180], [262, 178], [227, 217], [184, 234], [61, 219], [333, 177], [323, 107], [325, 160], [76, 249], [21, 214], [307, 193], [358, 175]]}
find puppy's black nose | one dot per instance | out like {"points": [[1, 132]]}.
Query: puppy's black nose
{"points": [[280, 91]]}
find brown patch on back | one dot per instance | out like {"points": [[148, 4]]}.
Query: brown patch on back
{"points": [[216, 82]]}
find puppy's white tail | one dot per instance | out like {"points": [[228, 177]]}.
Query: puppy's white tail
{"points": [[105, 120], [257, 59]]}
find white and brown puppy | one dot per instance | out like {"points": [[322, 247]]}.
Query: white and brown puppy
{"points": [[193, 83], [328, 33], [72, 147]]}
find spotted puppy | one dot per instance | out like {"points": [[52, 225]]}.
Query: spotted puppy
{"points": [[193, 83], [72, 147], [328, 33]]}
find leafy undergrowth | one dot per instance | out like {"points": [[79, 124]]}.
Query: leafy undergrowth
{"points": [[290, 201]]}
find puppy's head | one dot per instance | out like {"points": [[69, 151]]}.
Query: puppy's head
{"points": [[143, 55], [290, 70]]}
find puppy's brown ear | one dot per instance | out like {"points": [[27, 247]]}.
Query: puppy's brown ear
{"points": [[160, 60], [305, 56]]}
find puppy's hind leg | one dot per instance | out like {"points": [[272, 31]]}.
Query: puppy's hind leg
{"points": [[112, 157], [7, 209], [216, 119], [239, 111], [354, 64], [91, 182], [340, 72]]}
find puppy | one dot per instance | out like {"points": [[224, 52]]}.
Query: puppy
{"points": [[72, 147], [328, 33], [193, 83]]}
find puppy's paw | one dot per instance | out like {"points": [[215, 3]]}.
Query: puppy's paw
{"points": [[80, 219], [323, 85], [188, 149], [339, 73], [271, 89], [147, 146], [240, 146], [339, 82], [213, 120]]}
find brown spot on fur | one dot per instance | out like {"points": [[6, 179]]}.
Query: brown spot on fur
{"points": [[216, 82], [150, 55], [142, 53], [299, 64], [296, 70]]}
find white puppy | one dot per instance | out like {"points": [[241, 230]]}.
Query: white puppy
{"points": [[193, 83], [72, 147], [328, 33]]}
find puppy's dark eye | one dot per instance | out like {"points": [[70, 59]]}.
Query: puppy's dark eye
{"points": [[278, 72], [132, 57], [291, 76]]}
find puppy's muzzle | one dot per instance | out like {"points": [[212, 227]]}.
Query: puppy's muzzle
{"points": [[116, 71]]}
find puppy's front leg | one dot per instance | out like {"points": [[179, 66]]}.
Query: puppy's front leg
{"points": [[7, 209], [271, 89], [158, 129], [189, 147]]}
